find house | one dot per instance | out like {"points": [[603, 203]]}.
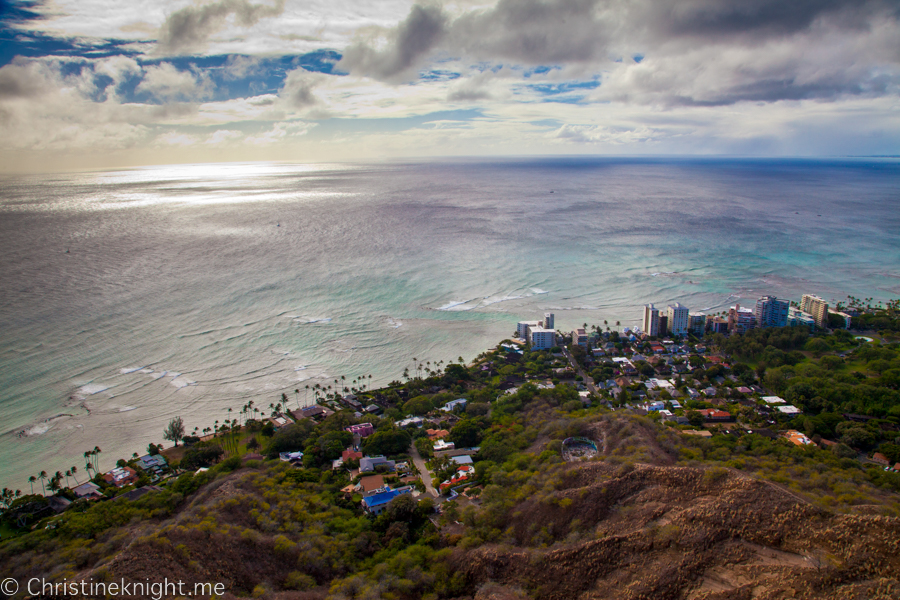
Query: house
{"points": [[376, 503], [462, 460], [462, 475], [58, 503], [367, 464], [789, 410], [350, 454], [880, 458], [773, 400], [745, 390], [442, 445], [709, 392], [121, 476], [279, 421], [290, 456], [153, 463], [797, 438], [362, 429], [135, 494], [436, 434], [454, 404], [654, 406], [314, 413], [370, 485], [714, 415], [411, 422], [694, 394], [351, 401]]}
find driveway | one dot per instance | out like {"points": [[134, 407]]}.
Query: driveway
{"points": [[424, 473]]}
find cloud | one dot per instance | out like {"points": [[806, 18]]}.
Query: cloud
{"points": [[593, 134], [697, 52], [408, 45], [281, 132], [23, 80], [190, 28], [298, 87], [167, 83]]}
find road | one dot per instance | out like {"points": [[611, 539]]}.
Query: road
{"points": [[424, 473], [588, 381]]}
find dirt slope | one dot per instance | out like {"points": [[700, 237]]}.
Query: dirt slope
{"points": [[676, 532]]}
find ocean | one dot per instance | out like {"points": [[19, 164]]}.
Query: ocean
{"points": [[132, 296]]}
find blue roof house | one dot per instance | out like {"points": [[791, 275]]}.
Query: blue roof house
{"points": [[376, 503]]}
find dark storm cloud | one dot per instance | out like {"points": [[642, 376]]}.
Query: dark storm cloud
{"points": [[192, 26], [759, 18], [410, 43], [694, 52]]}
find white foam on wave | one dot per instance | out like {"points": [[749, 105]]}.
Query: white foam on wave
{"points": [[487, 302], [128, 370], [301, 368], [158, 375], [146, 371], [312, 320], [127, 408], [455, 304], [93, 388], [39, 429], [181, 382], [394, 324], [537, 291], [172, 374]]}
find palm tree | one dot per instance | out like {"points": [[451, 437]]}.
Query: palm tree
{"points": [[97, 450], [74, 471], [42, 477], [31, 480]]}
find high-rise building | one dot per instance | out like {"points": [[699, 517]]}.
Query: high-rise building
{"points": [[651, 320], [580, 337], [677, 319], [522, 328], [771, 312], [541, 338], [740, 319], [697, 324], [797, 317], [663, 325], [816, 307], [549, 321]]}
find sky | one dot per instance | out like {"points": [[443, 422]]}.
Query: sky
{"points": [[111, 83]]}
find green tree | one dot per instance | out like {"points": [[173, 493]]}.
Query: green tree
{"points": [[290, 438], [174, 431], [387, 441], [466, 434], [419, 405]]}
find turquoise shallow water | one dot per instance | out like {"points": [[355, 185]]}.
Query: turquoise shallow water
{"points": [[132, 296]]}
